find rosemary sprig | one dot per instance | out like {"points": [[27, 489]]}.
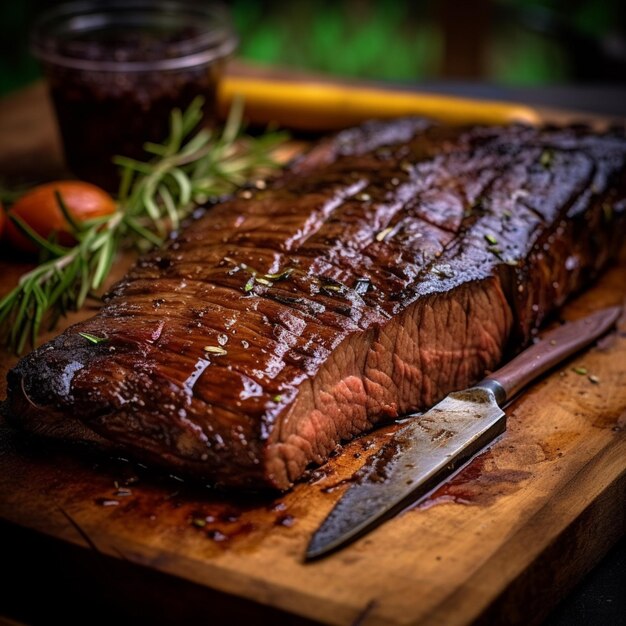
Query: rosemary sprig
{"points": [[186, 170], [93, 338]]}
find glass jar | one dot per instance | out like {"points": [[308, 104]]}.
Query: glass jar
{"points": [[117, 69]]}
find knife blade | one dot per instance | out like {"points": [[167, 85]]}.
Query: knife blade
{"points": [[432, 446]]}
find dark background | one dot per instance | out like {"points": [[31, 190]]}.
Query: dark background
{"points": [[504, 42]]}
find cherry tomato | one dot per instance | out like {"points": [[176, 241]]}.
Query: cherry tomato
{"points": [[39, 209], [2, 220]]}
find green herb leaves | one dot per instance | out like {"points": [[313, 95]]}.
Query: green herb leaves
{"points": [[217, 350], [546, 158], [93, 339], [383, 234], [154, 197]]}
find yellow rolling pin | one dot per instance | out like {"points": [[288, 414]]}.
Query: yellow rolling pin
{"points": [[319, 106]]}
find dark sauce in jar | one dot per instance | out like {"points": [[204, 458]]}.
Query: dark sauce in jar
{"points": [[116, 73]]}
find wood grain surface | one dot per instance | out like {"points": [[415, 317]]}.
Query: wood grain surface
{"points": [[501, 543]]}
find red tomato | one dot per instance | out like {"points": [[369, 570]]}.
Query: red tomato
{"points": [[40, 210]]}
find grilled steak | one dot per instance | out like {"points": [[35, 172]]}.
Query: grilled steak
{"points": [[389, 266]]}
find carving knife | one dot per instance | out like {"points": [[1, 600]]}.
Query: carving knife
{"points": [[432, 446]]}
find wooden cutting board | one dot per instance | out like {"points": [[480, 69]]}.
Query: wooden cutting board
{"points": [[501, 543]]}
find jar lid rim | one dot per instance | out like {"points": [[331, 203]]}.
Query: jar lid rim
{"points": [[217, 40]]}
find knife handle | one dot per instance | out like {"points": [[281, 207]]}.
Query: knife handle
{"points": [[553, 348], [323, 106]]}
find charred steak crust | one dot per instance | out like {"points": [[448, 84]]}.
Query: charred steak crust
{"points": [[389, 266]]}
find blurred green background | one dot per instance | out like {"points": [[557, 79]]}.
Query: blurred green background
{"points": [[510, 42]]}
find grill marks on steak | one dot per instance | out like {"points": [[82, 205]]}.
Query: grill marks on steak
{"points": [[416, 252]]}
